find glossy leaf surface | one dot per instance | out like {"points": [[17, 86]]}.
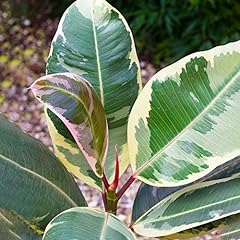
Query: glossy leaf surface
{"points": [[148, 196], [68, 151], [75, 102], [14, 228], [86, 223], [186, 120], [191, 207], [94, 41], [225, 229], [34, 187]]}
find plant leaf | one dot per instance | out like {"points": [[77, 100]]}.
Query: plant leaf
{"points": [[75, 102], [14, 228], [191, 207], [223, 229], [185, 122], [68, 151], [35, 186], [88, 224], [94, 41], [148, 196]]}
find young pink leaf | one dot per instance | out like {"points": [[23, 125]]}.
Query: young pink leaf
{"points": [[114, 184], [75, 102]]}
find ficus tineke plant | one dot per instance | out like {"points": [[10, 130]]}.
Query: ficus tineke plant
{"points": [[180, 135]]}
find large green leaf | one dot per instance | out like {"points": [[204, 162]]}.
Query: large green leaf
{"points": [[224, 229], [191, 207], [148, 196], [94, 41], [12, 227], [186, 120], [75, 102], [34, 185], [86, 223]]}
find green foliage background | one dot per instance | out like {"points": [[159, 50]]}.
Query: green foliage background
{"points": [[164, 30], [170, 29]]}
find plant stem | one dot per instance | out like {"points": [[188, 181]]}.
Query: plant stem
{"points": [[125, 186], [114, 184], [109, 195], [105, 181], [112, 201]]}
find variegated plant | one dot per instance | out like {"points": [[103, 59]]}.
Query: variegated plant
{"points": [[181, 137], [94, 41]]}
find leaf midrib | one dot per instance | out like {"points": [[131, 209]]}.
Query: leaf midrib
{"points": [[103, 233], [59, 190], [5, 218], [22, 220], [80, 100], [191, 211], [97, 58], [215, 99], [230, 232]]}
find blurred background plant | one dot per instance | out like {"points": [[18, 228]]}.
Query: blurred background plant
{"points": [[35, 9], [164, 30]]}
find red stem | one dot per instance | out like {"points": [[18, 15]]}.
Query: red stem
{"points": [[114, 184], [125, 186], [105, 181]]}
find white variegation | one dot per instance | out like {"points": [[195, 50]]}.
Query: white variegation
{"points": [[82, 171], [103, 226], [90, 133], [224, 229], [221, 113], [109, 71], [157, 221], [133, 53]]}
